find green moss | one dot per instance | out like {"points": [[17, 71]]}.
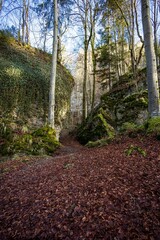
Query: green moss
{"points": [[153, 126], [38, 142], [99, 143], [24, 81], [44, 131], [109, 100], [96, 126], [124, 79], [126, 108], [137, 99], [131, 129], [104, 125]]}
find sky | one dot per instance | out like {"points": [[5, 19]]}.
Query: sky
{"points": [[71, 42]]}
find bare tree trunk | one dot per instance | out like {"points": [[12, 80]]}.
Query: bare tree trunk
{"points": [[45, 39], [23, 24], [122, 52], [117, 51], [59, 50], [84, 110], [155, 23], [93, 13], [86, 44], [51, 114], [27, 22], [109, 62], [94, 68], [138, 59], [130, 30], [152, 76], [132, 39], [1, 4]]}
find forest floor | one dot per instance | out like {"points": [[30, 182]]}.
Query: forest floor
{"points": [[109, 192]]}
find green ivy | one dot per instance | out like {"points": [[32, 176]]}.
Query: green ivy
{"points": [[24, 81]]}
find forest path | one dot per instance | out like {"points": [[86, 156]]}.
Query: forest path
{"points": [[69, 145], [82, 193]]}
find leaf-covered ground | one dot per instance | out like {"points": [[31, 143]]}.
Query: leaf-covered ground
{"points": [[83, 193]]}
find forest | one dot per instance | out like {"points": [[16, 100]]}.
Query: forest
{"points": [[80, 119]]}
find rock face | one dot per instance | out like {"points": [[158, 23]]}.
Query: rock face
{"points": [[121, 89], [98, 125], [24, 85], [127, 102]]}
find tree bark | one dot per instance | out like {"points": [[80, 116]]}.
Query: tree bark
{"points": [[84, 110], [155, 23], [133, 39], [86, 44], [94, 69], [51, 114], [152, 76], [25, 22]]}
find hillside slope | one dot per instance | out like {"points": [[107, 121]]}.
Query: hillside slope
{"points": [[24, 83], [126, 102]]}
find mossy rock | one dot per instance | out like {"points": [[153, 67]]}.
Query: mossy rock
{"points": [[99, 143], [124, 104], [128, 109], [137, 99], [131, 129], [96, 127], [44, 131], [39, 142], [153, 126]]}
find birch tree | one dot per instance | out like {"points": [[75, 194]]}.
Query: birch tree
{"points": [[51, 114], [152, 76]]}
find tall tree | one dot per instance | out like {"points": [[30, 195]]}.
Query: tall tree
{"points": [[25, 21], [1, 3], [156, 24], [51, 114], [86, 15], [45, 13], [152, 76], [83, 17], [94, 14], [86, 45]]}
